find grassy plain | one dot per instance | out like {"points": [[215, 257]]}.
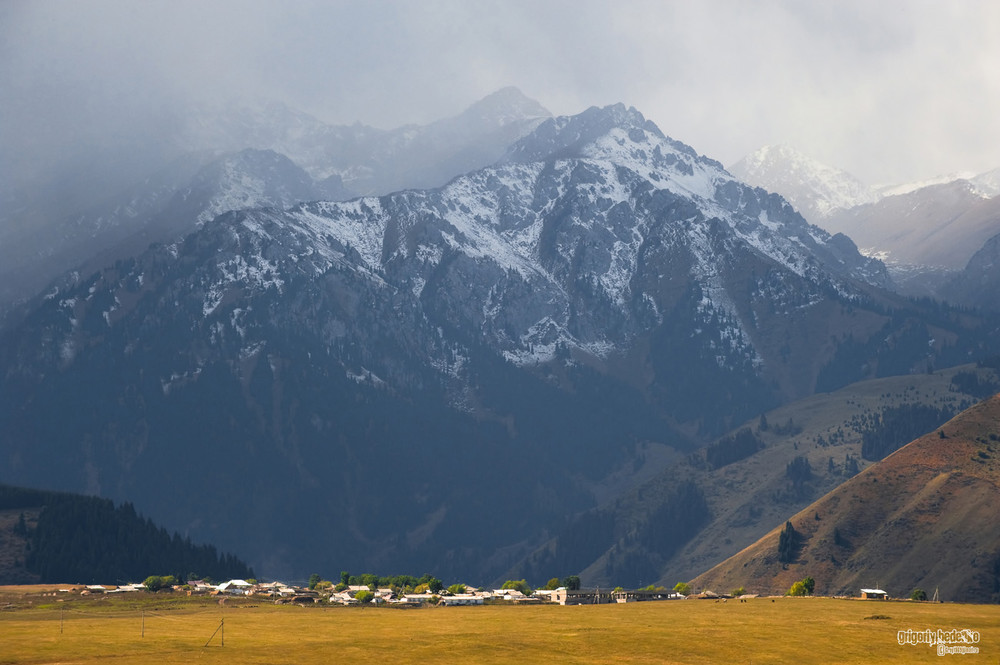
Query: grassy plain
{"points": [[800, 630]]}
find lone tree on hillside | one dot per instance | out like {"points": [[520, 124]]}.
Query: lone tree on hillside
{"points": [[788, 543]]}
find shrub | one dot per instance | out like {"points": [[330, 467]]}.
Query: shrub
{"points": [[157, 582], [518, 585], [803, 587]]}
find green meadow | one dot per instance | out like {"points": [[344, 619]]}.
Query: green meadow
{"points": [[801, 630]]}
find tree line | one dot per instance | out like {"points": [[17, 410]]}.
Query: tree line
{"points": [[89, 539]]}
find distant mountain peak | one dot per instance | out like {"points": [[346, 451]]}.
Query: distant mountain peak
{"points": [[816, 189], [507, 105]]}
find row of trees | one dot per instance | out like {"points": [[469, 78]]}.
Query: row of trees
{"points": [[733, 448], [427, 583], [896, 426]]}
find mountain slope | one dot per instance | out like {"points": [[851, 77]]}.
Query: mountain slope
{"points": [[743, 483], [940, 225], [978, 285], [161, 208], [922, 517]]}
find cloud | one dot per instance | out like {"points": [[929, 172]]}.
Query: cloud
{"points": [[889, 90]]}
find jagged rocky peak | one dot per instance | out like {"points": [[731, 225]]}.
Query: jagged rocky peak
{"points": [[565, 137], [621, 137]]}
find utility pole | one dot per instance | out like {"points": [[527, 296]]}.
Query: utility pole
{"points": [[222, 628]]}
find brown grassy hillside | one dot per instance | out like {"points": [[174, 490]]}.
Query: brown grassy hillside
{"points": [[926, 516]]}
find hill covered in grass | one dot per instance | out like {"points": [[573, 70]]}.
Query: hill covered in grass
{"points": [[707, 506], [923, 517]]}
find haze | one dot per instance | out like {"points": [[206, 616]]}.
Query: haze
{"points": [[890, 91]]}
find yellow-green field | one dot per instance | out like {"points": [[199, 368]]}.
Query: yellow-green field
{"points": [[787, 630]]}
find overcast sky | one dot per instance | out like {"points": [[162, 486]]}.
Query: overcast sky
{"points": [[889, 90]]}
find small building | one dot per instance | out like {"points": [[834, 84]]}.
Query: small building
{"points": [[874, 594], [343, 597], [462, 599], [235, 587], [564, 596], [418, 597]]}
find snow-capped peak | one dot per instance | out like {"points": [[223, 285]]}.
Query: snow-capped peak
{"points": [[816, 189]]}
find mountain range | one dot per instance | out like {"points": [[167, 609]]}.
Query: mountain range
{"points": [[926, 232], [440, 378]]}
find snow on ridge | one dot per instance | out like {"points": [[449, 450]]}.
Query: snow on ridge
{"points": [[258, 273], [639, 155], [358, 224], [885, 191], [475, 216]]}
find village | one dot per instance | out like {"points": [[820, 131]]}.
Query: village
{"points": [[454, 595]]}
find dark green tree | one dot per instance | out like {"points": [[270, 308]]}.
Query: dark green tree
{"points": [[21, 528], [788, 543], [571, 582], [314, 579]]}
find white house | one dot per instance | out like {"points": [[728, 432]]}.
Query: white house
{"points": [[235, 587]]}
